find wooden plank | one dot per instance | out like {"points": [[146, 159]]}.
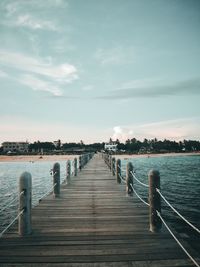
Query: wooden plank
{"points": [[160, 263]]}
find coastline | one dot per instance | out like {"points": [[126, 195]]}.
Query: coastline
{"points": [[34, 158]]}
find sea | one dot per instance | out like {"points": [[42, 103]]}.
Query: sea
{"points": [[180, 184], [42, 183]]}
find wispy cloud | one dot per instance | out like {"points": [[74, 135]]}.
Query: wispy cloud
{"points": [[39, 74], [31, 22], [152, 89], [12, 7], [177, 129], [65, 72], [40, 85], [24, 14], [114, 56]]}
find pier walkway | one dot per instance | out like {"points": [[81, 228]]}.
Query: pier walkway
{"points": [[92, 224]]}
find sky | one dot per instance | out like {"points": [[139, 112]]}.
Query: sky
{"points": [[90, 70]]}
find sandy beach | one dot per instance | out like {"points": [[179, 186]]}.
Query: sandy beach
{"points": [[35, 158]]}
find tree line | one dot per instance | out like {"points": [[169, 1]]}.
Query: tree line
{"points": [[157, 146], [129, 146]]}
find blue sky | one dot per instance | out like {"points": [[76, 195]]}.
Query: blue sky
{"points": [[89, 70]]}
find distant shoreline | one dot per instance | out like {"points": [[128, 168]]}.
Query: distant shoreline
{"points": [[35, 158]]}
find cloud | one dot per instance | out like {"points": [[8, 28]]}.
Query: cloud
{"points": [[178, 129], [64, 73], [122, 133], [152, 89], [25, 14], [40, 85], [30, 22], [12, 7], [38, 74]]}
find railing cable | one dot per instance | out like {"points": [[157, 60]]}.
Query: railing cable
{"points": [[46, 194], [132, 173], [121, 168], [11, 223], [139, 196], [192, 259], [10, 203], [194, 227], [122, 179]]}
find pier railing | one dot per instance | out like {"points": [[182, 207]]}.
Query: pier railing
{"points": [[25, 192], [154, 197]]}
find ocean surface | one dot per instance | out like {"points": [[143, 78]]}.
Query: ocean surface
{"points": [[42, 183], [180, 184]]}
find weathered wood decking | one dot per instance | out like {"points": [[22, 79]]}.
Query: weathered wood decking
{"points": [[93, 223]]}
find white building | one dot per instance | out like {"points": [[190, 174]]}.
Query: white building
{"points": [[110, 147], [15, 146]]}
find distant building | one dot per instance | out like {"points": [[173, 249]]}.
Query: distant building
{"points": [[15, 146], [57, 144], [111, 146]]}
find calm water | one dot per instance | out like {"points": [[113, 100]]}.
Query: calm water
{"points": [[180, 184], [42, 183]]}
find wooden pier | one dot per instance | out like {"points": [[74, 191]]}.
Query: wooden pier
{"points": [[92, 223]]}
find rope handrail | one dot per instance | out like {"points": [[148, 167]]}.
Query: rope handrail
{"points": [[190, 224], [132, 173], [119, 166], [187, 253], [122, 179], [139, 196], [124, 170], [11, 223], [46, 194], [9, 204]]}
